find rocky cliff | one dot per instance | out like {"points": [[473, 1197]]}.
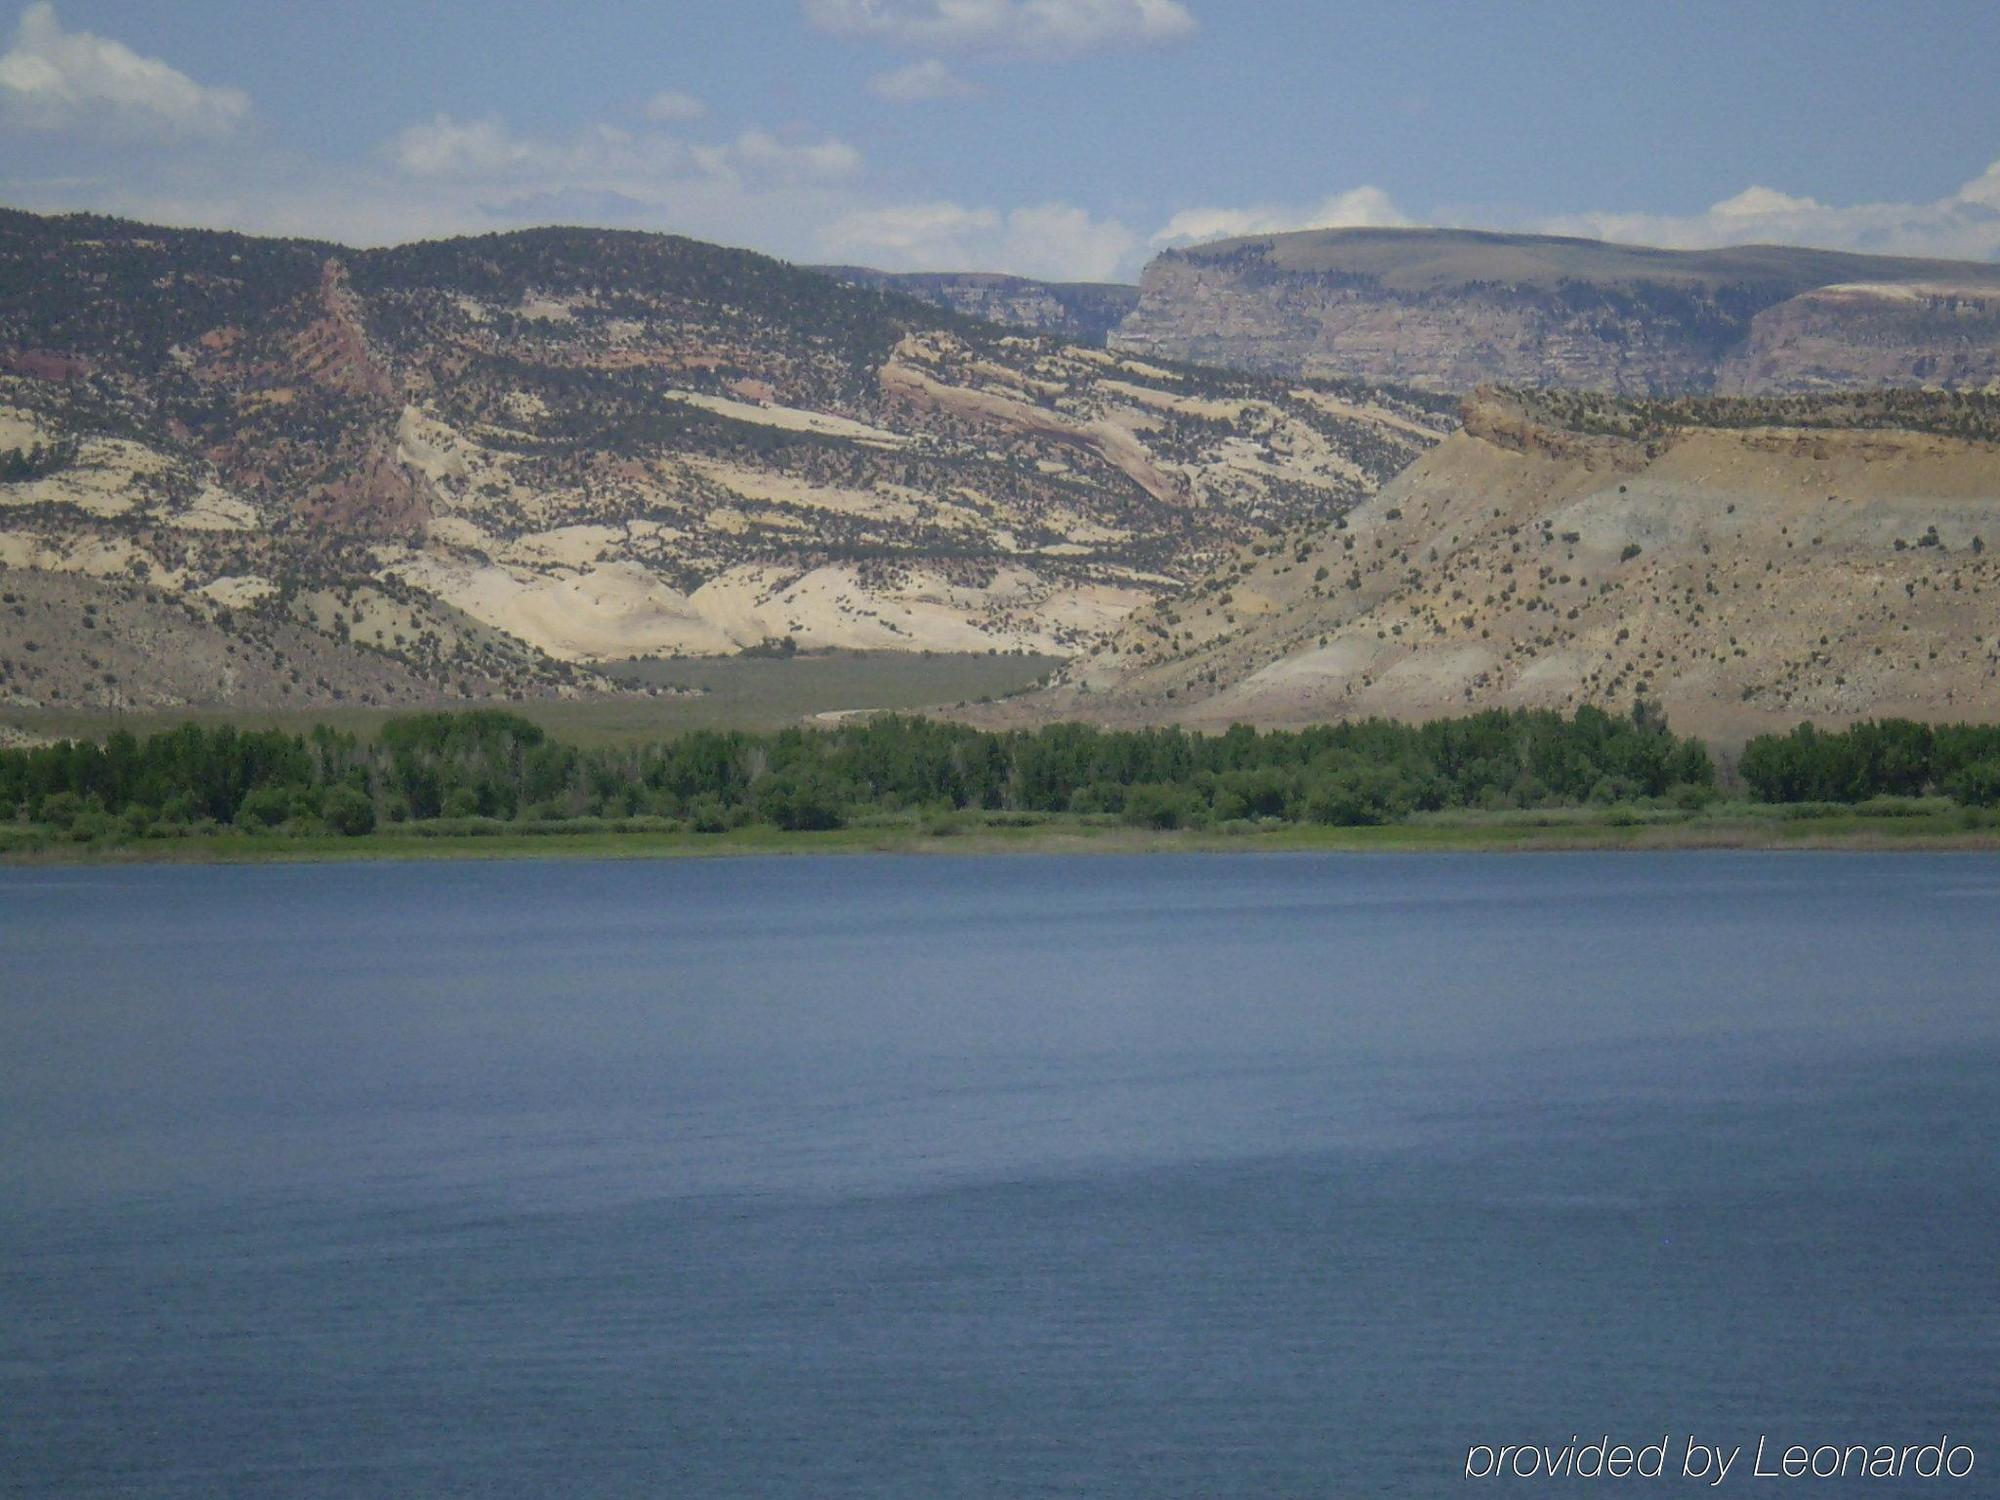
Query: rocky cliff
{"points": [[1449, 310]]}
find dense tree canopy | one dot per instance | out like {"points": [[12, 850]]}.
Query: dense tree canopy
{"points": [[1880, 758], [497, 765]]}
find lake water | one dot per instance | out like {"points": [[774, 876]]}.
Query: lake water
{"points": [[1261, 1176]]}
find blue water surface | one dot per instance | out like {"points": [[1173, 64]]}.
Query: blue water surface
{"points": [[1192, 1176]]}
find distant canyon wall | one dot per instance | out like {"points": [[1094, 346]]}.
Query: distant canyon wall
{"points": [[1083, 311], [1451, 311]]}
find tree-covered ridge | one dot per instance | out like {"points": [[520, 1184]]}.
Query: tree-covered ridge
{"points": [[495, 765], [109, 293]]}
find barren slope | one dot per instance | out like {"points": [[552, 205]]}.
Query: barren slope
{"points": [[1744, 564]]}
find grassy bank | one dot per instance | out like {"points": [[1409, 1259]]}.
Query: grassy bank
{"points": [[724, 692], [1930, 825]]}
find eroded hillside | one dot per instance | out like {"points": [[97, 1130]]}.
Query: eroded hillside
{"points": [[1744, 563], [491, 463]]}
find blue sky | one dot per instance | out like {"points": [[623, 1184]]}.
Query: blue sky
{"points": [[1051, 137]]}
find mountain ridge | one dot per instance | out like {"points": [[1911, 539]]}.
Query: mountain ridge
{"points": [[498, 461]]}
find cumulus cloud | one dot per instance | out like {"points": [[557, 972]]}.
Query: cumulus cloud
{"points": [[1358, 208], [1984, 189], [1052, 241], [1064, 243], [1007, 28], [1762, 202], [671, 107], [74, 81], [1963, 225], [920, 83]]}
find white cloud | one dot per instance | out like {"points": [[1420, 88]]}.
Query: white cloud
{"points": [[1008, 28], [920, 83], [1052, 241], [476, 182], [1762, 202], [1063, 243], [1358, 208], [605, 157], [57, 80], [671, 107], [1964, 225], [911, 236], [1983, 189], [445, 147], [761, 153]]}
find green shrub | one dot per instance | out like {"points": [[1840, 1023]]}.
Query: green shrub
{"points": [[707, 814], [348, 812], [1692, 797], [942, 822], [1158, 805], [1357, 796], [1978, 785], [93, 826], [264, 807], [59, 810], [799, 801], [1260, 793]]}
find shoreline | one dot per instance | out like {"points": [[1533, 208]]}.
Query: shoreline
{"points": [[1928, 833]]}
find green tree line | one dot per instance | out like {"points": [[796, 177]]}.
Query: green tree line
{"points": [[1879, 758], [491, 764]]}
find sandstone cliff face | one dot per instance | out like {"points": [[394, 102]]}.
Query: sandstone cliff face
{"points": [[1744, 564], [1447, 341], [1865, 335], [1451, 310]]}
